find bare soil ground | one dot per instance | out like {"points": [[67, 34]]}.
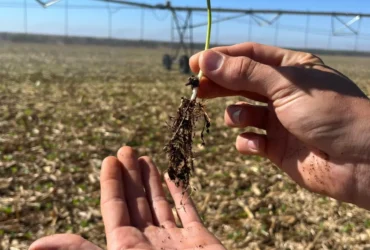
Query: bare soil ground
{"points": [[63, 109]]}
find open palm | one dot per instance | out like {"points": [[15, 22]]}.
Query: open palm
{"points": [[136, 213]]}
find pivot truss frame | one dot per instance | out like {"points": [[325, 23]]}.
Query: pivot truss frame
{"points": [[46, 4], [184, 25]]}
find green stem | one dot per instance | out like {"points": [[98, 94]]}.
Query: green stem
{"points": [[208, 41], [209, 27]]}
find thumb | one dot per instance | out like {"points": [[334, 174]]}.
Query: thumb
{"points": [[63, 242], [242, 73]]}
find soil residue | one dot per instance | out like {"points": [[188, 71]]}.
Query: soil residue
{"points": [[179, 149]]}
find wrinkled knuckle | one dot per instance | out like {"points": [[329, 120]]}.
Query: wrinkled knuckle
{"points": [[243, 68], [251, 45], [281, 95], [252, 65], [309, 57], [115, 200]]}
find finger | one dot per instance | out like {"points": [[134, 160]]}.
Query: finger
{"points": [[209, 89], [113, 204], [252, 144], [269, 55], [270, 145], [243, 115], [184, 205], [244, 74], [138, 205], [63, 241], [161, 211]]}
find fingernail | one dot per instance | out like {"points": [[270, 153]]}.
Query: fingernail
{"points": [[253, 145], [235, 115], [212, 60]]}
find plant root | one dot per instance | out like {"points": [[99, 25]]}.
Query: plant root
{"points": [[179, 149]]}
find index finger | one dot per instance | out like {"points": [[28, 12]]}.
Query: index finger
{"points": [[269, 55], [113, 203], [183, 203], [209, 89]]}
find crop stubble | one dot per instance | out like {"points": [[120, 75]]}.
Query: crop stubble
{"points": [[63, 109]]}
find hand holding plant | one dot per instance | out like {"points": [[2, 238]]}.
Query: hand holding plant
{"points": [[316, 120]]}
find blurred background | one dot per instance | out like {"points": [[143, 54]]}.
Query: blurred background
{"points": [[110, 20]]}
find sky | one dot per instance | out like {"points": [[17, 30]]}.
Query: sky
{"points": [[129, 23]]}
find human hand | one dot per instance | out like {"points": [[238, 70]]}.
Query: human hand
{"points": [[317, 121], [136, 213]]}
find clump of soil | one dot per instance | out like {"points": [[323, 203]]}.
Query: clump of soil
{"points": [[179, 149]]}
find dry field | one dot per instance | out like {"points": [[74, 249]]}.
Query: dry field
{"points": [[63, 109]]}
